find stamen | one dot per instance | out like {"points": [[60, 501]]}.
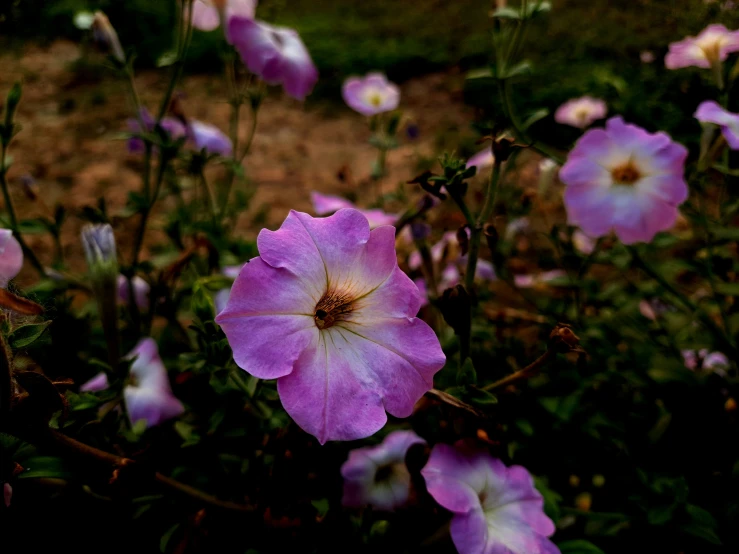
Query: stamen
{"points": [[626, 174], [332, 308]]}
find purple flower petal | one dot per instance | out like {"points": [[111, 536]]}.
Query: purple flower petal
{"points": [[326, 204], [711, 112], [497, 509], [140, 291], [149, 396], [377, 475], [484, 158], [205, 16], [97, 383], [276, 54], [371, 95], [210, 138], [11, 257], [326, 310]]}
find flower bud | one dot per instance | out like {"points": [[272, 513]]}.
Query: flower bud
{"points": [[99, 244], [106, 36]]}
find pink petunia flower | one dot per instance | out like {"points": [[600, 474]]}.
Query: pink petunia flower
{"points": [[97, 383], [581, 112], [496, 508], [625, 179], [140, 291], [706, 361], [205, 16], [711, 46], [711, 112], [377, 475], [371, 95], [11, 257], [326, 311], [149, 395], [276, 54], [325, 204]]}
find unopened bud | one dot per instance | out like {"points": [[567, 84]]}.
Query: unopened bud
{"points": [[106, 36], [30, 189], [562, 339], [100, 252], [455, 307]]}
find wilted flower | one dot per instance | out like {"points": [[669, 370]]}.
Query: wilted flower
{"points": [[581, 112], [371, 95], [326, 311], [140, 291], [539, 279], [711, 46], [149, 394], [174, 129], [711, 112], [496, 508], [484, 158], [276, 54], [324, 204], [626, 179], [209, 138], [11, 257], [105, 35], [98, 242], [205, 14], [377, 475]]}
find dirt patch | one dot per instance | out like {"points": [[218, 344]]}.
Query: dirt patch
{"points": [[73, 112]]}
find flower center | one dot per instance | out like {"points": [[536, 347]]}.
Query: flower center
{"points": [[384, 473], [332, 308], [712, 51], [581, 114], [626, 174], [375, 99]]}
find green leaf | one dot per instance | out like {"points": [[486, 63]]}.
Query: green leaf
{"points": [[507, 13], [321, 505], [538, 115], [729, 289], [518, 70], [579, 547], [167, 537], [467, 374], [33, 227], [37, 467], [480, 397], [25, 335], [703, 524]]}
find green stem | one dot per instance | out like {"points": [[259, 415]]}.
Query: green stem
{"points": [[27, 252], [476, 232]]}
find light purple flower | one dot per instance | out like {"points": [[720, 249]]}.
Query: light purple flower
{"points": [[711, 112], [7, 494], [484, 158], [97, 383], [11, 257], [276, 54], [539, 279], [324, 204], [377, 475], [581, 112], [626, 179], [140, 291], [371, 95], [712, 45], [326, 311], [707, 361], [496, 508], [205, 14], [149, 395], [173, 127], [209, 138]]}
